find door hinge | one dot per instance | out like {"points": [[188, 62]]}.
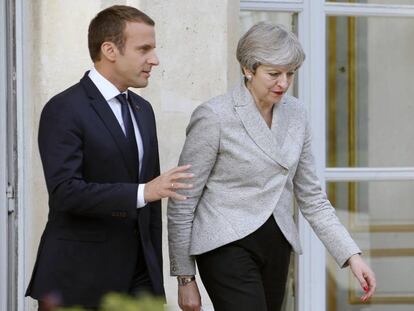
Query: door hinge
{"points": [[10, 196]]}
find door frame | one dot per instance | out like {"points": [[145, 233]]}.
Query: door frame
{"points": [[8, 166], [22, 157], [13, 174], [3, 159]]}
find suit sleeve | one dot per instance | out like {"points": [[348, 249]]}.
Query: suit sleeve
{"points": [[155, 207], [61, 149], [200, 150], [317, 209]]}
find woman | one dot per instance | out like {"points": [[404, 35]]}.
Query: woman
{"points": [[250, 151]]}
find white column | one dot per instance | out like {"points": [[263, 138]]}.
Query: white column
{"points": [[311, 265]]}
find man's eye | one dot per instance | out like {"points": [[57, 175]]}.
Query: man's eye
{"points": [[274, 74], [145, 48], [291, 73]]}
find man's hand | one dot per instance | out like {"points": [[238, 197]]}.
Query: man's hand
{"points": [[364, 275], [167, 183], [189, 297]]}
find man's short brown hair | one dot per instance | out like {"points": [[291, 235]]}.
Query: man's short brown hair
{"points": [[109, 25]]}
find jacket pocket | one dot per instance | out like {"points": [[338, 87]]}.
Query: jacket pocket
{"points": [[83, 236]]}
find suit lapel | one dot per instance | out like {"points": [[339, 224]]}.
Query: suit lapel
{"points": [[143, 125], [103, 110], [280, 123], [269, 140]]}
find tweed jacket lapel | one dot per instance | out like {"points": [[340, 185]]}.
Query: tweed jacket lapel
{"points": [[280, 123], [269, 140]]}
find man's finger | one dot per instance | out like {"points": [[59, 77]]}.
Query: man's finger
{"points": [[178, 197], [181, 186], [177, 176], [181, 168]]}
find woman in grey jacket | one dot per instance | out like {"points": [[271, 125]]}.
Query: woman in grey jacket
{"points": [[250, 151]]}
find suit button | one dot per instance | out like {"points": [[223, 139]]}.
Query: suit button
{"points": [[285, 172]]}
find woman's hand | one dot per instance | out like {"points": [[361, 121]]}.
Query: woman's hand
{"points": [[189, 297], [364, 275]]}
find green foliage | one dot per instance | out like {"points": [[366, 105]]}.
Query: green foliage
{"points": [[119, 302]]}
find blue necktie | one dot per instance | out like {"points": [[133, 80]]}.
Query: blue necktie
{"points": [[129, 127]]}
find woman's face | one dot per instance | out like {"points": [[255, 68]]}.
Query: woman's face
{"points": [[269, 83]]}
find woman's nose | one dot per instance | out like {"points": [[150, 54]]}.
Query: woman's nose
{"points": [[283, 81]]}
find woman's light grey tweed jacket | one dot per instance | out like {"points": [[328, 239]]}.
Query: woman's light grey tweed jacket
{"points": [[244, 173]]}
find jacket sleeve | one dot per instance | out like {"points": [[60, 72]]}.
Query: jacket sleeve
{"points": [[200, 150], [155, 207], [61, 149], [317, 209]]}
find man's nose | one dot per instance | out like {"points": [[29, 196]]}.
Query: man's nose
{"points": [[153, 60]]}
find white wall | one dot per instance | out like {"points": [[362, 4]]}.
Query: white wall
{"points": [[196, 43]]}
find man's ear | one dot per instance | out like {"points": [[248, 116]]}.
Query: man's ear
{"points": [[109, 51]]}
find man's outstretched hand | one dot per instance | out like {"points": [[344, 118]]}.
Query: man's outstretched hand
{"points": [[166, 185]]}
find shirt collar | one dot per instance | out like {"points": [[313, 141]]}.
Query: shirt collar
{"points": [[107, 89]]}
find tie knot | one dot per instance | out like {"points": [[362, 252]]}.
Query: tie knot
{"points": [[122, 98]]}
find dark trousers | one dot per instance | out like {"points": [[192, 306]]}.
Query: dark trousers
{"points": [[45, 306], [140, 284], [248, 274]]}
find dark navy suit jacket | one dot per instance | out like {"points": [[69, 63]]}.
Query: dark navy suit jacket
{"points": [[90, 244]]}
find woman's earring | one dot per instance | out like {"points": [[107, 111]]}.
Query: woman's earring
{"points": [[248, 77]]}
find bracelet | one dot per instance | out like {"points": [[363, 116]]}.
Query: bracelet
{"points": [[183, 280]]}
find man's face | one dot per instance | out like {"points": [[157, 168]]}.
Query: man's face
{"points": [[133, 65]]}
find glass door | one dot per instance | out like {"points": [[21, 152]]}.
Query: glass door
{"points": [[291, 15], [289, 19], [356, 82], [370, 147]]}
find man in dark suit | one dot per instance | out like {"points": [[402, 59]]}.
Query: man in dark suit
{"points": [[99, 151]]}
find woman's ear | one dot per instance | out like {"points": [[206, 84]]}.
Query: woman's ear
{"points": [[247, 74]]}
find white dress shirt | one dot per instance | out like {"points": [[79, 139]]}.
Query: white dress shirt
{"points": [[109, 92]]}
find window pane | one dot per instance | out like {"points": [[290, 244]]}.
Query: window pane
{"points": [[370, 91], [287, 19], [249, 18], [371, 205], [380, 217], [376, 1]]}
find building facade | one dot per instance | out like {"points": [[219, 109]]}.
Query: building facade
{"points": [[356, 82]]}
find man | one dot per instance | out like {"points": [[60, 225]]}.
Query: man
{"points": [[99, 151]]}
